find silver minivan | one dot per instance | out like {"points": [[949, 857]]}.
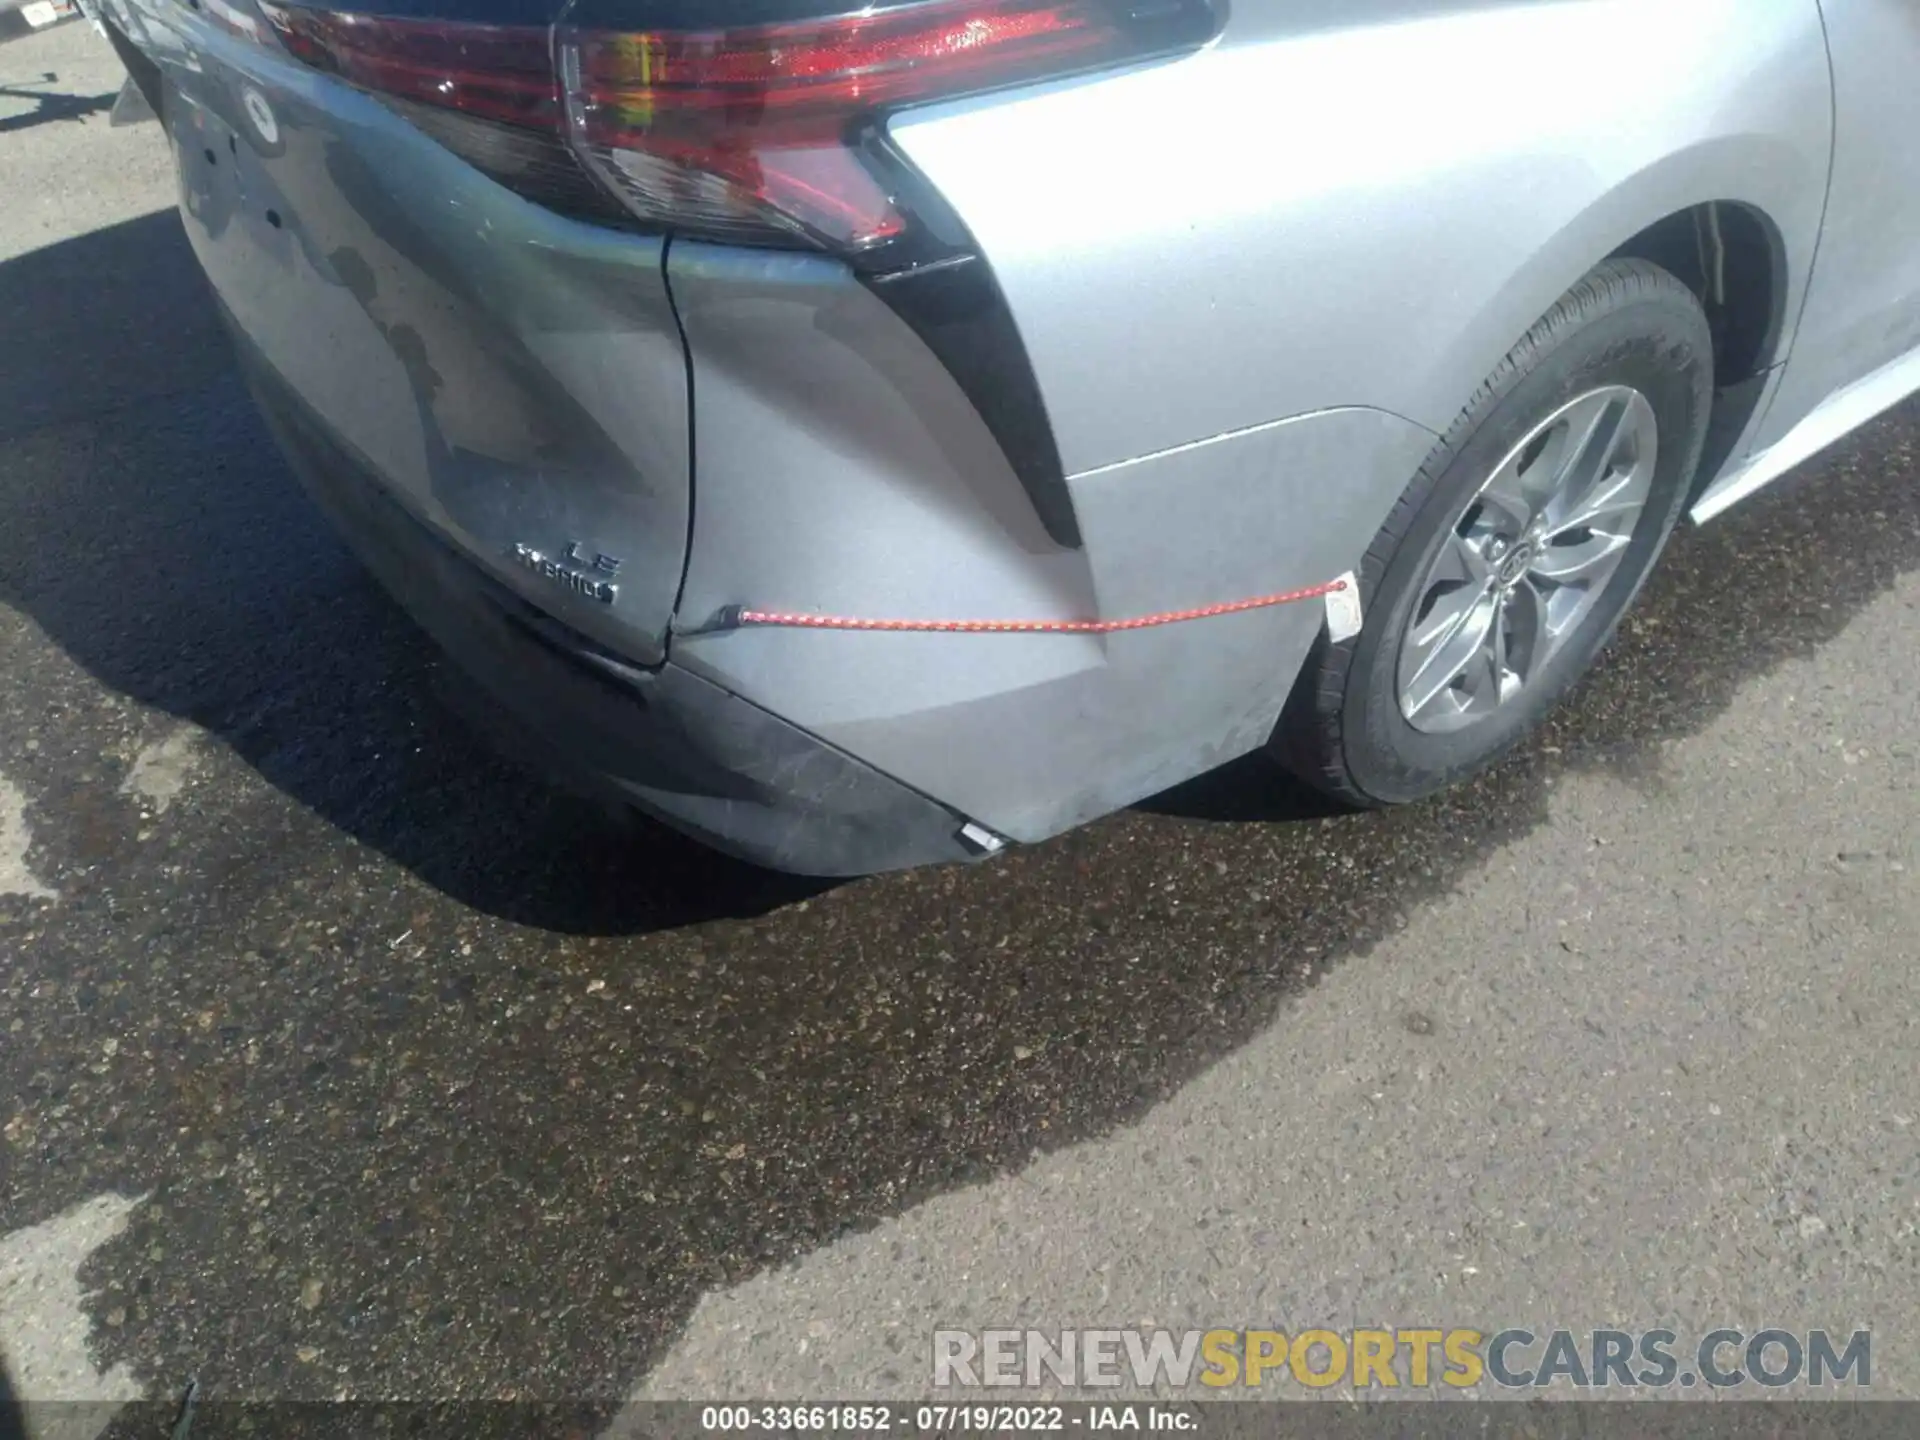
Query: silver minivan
{"points": [[873, 437]]}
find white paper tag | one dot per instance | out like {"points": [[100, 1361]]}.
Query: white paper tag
{"points": [[1343, 609], [40, 12]]}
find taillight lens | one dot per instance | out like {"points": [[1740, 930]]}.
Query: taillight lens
{"points": [[748, 128], [494, 72], [761, 133]]}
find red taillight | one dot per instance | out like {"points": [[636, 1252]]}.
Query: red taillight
{"points": [[497, 72], [748, 133], [817, 73], [748, 127]]}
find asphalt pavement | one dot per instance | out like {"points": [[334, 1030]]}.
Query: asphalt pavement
{"points": [[340, 1057]]}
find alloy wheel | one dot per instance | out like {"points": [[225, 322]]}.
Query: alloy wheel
{"points": [[1527, 559]]}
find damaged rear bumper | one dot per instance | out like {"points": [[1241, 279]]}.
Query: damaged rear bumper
{"points": [[677, 746]]}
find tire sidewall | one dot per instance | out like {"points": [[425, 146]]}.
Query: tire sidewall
{"points": [[1655, 343]]}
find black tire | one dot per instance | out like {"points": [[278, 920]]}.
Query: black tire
{"points": [[1627, 323]]}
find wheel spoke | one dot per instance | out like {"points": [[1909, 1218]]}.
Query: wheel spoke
{"points": [[1498, 670], [1594, 430], [1541, 469], [1447, 613], [1510, 496], [1461, 562], [1613, 504], [1586, 562], [1456, 585], [1438, 658], [1527, 640], [1613, 473]]}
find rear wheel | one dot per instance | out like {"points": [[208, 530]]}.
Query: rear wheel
{"points": [[1523, 539]]}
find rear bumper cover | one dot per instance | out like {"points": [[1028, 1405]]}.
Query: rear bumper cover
{"points": [[675, 745]]}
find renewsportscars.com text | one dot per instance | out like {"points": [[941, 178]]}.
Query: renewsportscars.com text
{"points": [[1409, 1357]]}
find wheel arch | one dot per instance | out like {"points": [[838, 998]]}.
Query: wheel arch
{"points": [[1640, 218], [1725, 193], [1731, 254]]}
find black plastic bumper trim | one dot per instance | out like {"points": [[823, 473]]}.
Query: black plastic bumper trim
{"points": [[665, 740]]}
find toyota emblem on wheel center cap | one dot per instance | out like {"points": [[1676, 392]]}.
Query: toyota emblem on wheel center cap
{"points": [[1517, 562]]}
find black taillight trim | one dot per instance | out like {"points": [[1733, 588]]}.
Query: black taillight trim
{"points": [[959, 313], [948, 295]]}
